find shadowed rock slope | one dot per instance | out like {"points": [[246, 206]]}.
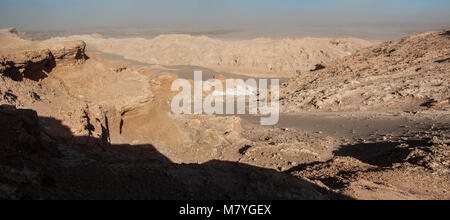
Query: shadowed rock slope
{"points": [[35, 167]]}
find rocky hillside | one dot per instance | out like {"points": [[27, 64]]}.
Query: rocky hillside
{"points": [[407, 78], [258, 57], [75, 126], [407, 74]]}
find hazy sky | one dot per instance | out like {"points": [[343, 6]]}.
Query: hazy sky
{"points": [[71, 14]]}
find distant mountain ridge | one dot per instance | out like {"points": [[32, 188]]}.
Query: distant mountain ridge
{"points": [[260, 57]]}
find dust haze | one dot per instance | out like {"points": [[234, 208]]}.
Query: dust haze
{"points": [[231, 19]]}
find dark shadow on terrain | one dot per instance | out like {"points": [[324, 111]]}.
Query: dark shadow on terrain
{"points": [[382, 154], [429, 103], [91, 169], [446, 33], [141, 172], [89, 144], [318, 67], [36, 71], [9, 96], [443, 60], [333, 182], [244, 149], [33, 71], [39, 72]]}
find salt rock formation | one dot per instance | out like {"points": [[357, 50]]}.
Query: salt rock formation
{"points": [[258, 57], [403, 74]]}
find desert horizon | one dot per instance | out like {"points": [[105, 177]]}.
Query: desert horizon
{"points": [[225, 100], [231, 19], [376, 32]]}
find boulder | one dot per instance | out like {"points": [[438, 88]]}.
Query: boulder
{"points": [[20, 132], [12, 30], [35, 61], [68, 52], [28, 63]]}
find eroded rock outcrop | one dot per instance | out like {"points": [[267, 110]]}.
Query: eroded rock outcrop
{"points": [[69, 52], [34, 60]]}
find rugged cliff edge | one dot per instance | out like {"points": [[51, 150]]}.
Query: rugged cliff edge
{"points": [[19, 58]]}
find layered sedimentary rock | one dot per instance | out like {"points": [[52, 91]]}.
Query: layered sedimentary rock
{"points": [[33, 60]]}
